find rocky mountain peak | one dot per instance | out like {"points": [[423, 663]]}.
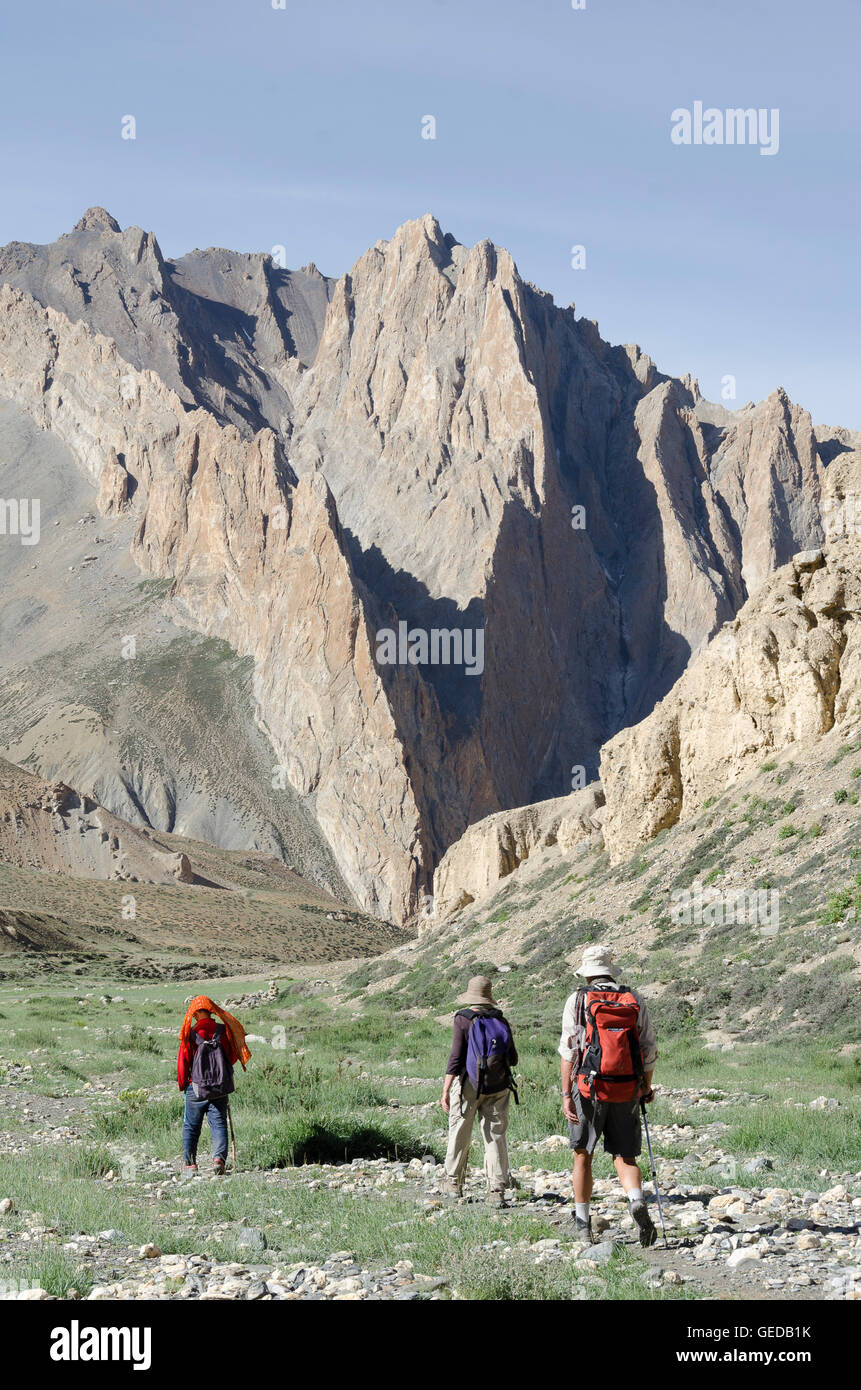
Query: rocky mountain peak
{"points": [[97, 219], [427, 444]]}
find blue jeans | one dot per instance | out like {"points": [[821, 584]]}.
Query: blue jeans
{"points": [[216, 1112]]}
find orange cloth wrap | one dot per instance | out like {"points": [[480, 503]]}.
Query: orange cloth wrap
{"points": [[234, 1028]]}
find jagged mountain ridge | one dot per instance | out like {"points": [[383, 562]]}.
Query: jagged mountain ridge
{"points": [[212, 324], [457, 415]]}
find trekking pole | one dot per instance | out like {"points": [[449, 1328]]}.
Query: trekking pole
{"points": [[654, 1171], [232, 1135]]}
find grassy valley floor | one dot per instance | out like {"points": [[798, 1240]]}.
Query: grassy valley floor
{"points": [[756, 1127], [340, 1134]]}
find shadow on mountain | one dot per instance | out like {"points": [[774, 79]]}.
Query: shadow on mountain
{"points": [[599, 656], [830, 449], [214, 324], [397, 596]]}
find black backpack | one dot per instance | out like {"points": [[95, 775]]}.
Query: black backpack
{"points": [[211, 1068]]}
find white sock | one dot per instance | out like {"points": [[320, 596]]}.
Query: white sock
{"points": [[635, 1194], [582, 1210]]}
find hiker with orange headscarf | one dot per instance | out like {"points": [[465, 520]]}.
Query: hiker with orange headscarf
{"points": [[208, 1051]]}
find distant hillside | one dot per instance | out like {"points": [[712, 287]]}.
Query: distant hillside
{"points": [[79, 885]]}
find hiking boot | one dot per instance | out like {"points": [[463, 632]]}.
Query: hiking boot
{"points": [[583, 1230], [447, 1187], [189, 1170], [218, 1167], [648, 1233], [496, 1200]]}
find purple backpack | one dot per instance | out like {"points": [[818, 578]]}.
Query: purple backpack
{"points": [[488, 1044], [211, 1068]]}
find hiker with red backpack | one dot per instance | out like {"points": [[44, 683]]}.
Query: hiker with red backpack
{"points": [[608, 1052], [208, 1051], [479, 1081]]}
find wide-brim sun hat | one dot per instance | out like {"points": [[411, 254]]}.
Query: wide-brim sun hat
{"points": [[478, 992], [597, 960]]}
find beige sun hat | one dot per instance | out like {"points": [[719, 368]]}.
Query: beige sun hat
{"points": [[478, 993], [597, 960]]}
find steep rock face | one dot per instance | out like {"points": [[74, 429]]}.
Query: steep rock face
{"points": [[257, 561], [494, 847], [419, 376], [457, 416], [767, 471], [113, 486], [76, 383], [240, 540], [787, 668]]}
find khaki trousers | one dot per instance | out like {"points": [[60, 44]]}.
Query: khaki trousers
{"points": [[493, 1114]]}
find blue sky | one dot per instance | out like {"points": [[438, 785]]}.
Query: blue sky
{"points": [[257, 127]]}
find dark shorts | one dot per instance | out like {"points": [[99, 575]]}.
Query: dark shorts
{"points": [[617, 1122]]}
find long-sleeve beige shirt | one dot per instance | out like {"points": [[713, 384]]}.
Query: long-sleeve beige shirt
{"points": [[574, 1030]]}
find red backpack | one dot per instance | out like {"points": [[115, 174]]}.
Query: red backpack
{"points": [[610, 1066]]}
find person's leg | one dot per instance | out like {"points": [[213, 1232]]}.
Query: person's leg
{"points": [[630, 1176], [582, 1183], [632, 1181], [191, 1126], [493, 1111], [623, 1139], [582, 1177], [460, 1122], [217, 1117], [583, 1136]]}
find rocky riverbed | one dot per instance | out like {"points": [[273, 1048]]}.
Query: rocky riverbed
{"points": [[762, 1242]]}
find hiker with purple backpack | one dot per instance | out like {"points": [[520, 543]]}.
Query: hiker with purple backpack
{"points": [[208, 1050], [479, 1081]]}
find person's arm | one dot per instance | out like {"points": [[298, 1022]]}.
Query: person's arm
{"points": [[568, 1109], [569, 1053], [229, 1047], [457, 1058], [648, 1049], [183, 1065]]}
